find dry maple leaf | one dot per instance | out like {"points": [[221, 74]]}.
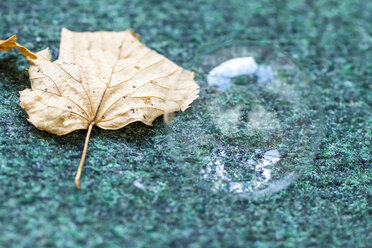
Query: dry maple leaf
{"points": [[107, 79]]}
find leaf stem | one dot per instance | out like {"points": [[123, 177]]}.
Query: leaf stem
{"points": [[78, 173]]}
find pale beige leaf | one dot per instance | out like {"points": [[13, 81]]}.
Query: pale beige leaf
{"points": [[109, 79]]}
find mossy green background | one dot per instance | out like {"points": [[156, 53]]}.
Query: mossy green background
{"points": [[328, 206]]}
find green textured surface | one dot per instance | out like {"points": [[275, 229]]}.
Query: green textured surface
{"points": [[329, 205]]}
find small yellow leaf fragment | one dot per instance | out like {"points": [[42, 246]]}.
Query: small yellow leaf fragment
{"points": [[9, 44]]}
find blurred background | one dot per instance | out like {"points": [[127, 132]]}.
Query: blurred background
{"points": [[134, 195]]}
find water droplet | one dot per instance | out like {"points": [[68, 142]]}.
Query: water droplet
{"points": [[256, 113]]}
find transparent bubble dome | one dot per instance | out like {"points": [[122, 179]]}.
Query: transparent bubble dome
{"points": [[251, 132]]}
